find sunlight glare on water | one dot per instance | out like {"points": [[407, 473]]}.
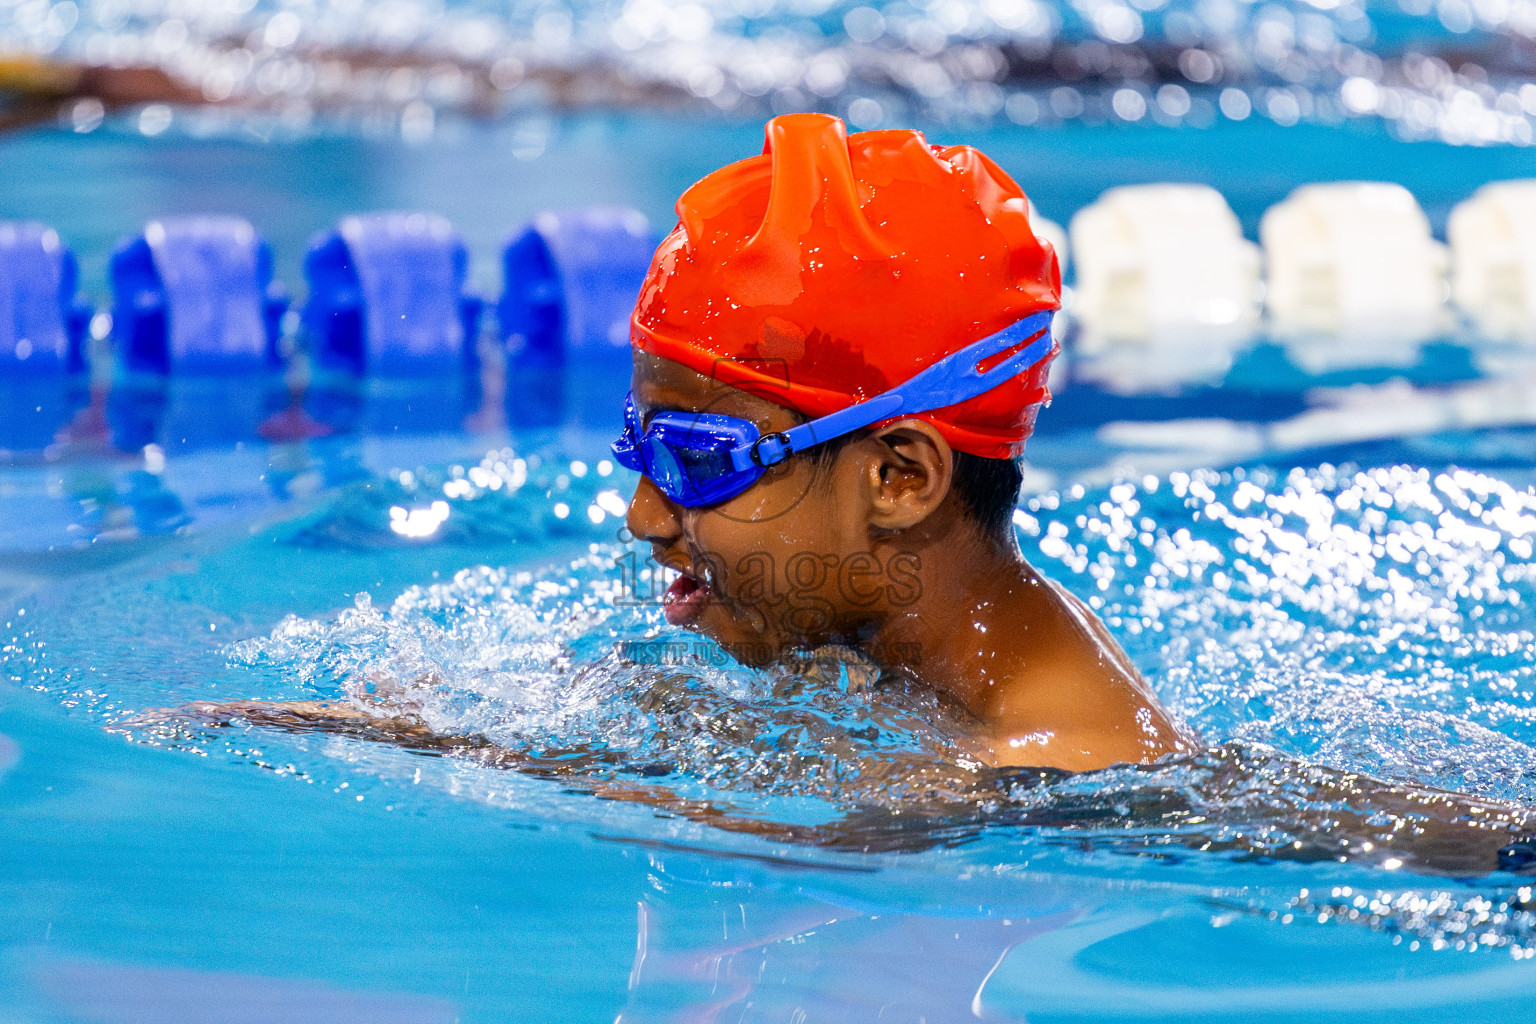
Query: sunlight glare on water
{"points": [[1373, 620]]}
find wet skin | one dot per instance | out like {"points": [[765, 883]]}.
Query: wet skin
{"points": [[874, 551]]}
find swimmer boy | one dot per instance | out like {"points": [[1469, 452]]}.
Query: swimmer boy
{"points": [[839, 353], [838, 356]]}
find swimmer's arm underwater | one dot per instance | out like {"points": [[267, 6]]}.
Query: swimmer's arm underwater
{"points": [[572, 766], [1324, 815]]}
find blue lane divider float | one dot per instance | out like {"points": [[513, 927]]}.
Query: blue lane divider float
{"points": [[387, 295], [42, 322], [572, 277], [196, 293]]}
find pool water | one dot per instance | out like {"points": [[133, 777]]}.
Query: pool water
{"points": [[1364, 619], [687, 839]]}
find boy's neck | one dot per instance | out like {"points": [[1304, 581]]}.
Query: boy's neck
{"points": [[968, 610]]}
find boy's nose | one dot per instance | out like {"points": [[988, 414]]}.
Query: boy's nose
{"points": [[651, 517]]}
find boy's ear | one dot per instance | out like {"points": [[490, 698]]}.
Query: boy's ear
{"points": [[909, 474]]}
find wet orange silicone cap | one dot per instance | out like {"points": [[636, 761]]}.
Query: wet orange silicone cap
{"points": [[834, 267]]}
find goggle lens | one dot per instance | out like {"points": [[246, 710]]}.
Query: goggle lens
{"points": [[687, 455], [664, 469]]}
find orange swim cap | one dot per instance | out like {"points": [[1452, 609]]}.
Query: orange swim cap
{"points": [[832, 268]]}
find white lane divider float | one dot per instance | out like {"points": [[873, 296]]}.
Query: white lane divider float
{"points": [[1493, 259], [1163, 264], [1353, 260]]}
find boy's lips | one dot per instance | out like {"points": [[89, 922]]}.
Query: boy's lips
{"points": [[684, 600]]}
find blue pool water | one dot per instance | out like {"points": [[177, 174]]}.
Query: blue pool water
{"points": [[1361, 605]]}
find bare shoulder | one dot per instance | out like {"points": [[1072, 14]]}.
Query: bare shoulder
{"points": [[1075, 700]]}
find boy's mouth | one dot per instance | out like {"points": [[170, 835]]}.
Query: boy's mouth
{"points": [[684, 600]]}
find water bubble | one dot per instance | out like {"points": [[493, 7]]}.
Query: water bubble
{"points": [[1235, 104], [418, 122], [865, 113], [1360, 95], [154, 119], [86, 115], [1129, 105], [282, 30], [1117, 23], [863, 24], [1022, 108], [1198, 66], [507, 73], [1173, 100]]}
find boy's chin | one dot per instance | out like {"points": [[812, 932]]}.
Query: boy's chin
{"points": [[709, 626], [748, 646], [745, 645]]}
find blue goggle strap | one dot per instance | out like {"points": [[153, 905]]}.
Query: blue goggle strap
{"points": [[953, 379]]}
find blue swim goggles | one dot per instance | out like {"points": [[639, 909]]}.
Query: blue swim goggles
{"points": [[700, 459]]}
